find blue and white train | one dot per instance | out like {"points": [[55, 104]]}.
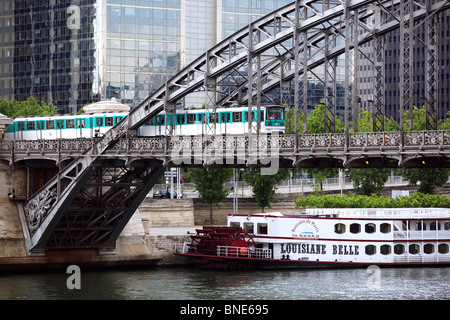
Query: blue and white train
{"points": [[230, 120]]}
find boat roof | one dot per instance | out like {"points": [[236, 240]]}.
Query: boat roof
{"points": [[363, 213]]}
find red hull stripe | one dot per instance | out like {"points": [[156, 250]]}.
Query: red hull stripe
{"points": [[191, 255]]}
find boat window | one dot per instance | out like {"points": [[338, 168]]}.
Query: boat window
{"points": [[370, 228], [414, 248], [443, 248], [385, 228], [235, 225], [262, 228], [447, 226], [399, 249], [434, 224], [249, 227], [355, 228], [385, 249], [371, 250], [339, 228], [428, 248]]}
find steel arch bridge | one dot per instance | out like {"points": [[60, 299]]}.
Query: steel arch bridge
{"points": [[90, 201]]}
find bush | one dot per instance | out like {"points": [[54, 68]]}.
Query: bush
{"points": [[416, 200]]}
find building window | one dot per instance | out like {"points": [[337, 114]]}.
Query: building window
{"points": [[385, 228], [355, 228], [370, 228], [262, 228], [371, 250], [339, 228]]}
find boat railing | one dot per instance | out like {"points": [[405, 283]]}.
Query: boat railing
{"points": [[244, 252], [405, 213]]}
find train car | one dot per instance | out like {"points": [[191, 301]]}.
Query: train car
{"points": [[231, 120], [63, 126]]}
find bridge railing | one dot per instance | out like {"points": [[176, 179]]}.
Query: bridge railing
{"points": [[284, 144]]}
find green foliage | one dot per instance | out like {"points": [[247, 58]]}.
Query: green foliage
{"points": [[417, 200], [429, 178], [29, 107], [368, 180], [264, 186], [210, 184]]}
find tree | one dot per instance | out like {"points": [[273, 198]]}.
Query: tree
{"points": [[210, 184], [29, 107], [429, 178], [368, 180], [264, 186]]}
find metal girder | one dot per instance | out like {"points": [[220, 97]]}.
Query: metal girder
{"points": [[99, 209], [286, 46]]}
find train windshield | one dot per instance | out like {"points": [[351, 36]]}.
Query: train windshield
{"points": [[275, 113]]}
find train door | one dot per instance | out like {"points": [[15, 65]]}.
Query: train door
{"points": [[19, 130]]}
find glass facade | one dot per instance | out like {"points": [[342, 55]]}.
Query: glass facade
{"points": [[44, 55], [143, 42]]}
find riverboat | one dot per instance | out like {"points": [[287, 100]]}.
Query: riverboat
{"points": [[330, 238]]}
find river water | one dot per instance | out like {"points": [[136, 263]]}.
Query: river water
{"points": [[202, 284]]}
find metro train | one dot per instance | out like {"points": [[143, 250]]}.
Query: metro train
{"points": [[229, 120]]}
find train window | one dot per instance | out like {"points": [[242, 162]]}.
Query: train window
{"points": [[190, 118], [213, 118], [99, 122], [40, 125], [30, 125], [180, 118], [50, 124], [225, 117], [109, 121], [59, 124], [21, 126], [80, 123], [70, 124], [252, 116], [237, 116], [201, 118], [160, 120]]}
